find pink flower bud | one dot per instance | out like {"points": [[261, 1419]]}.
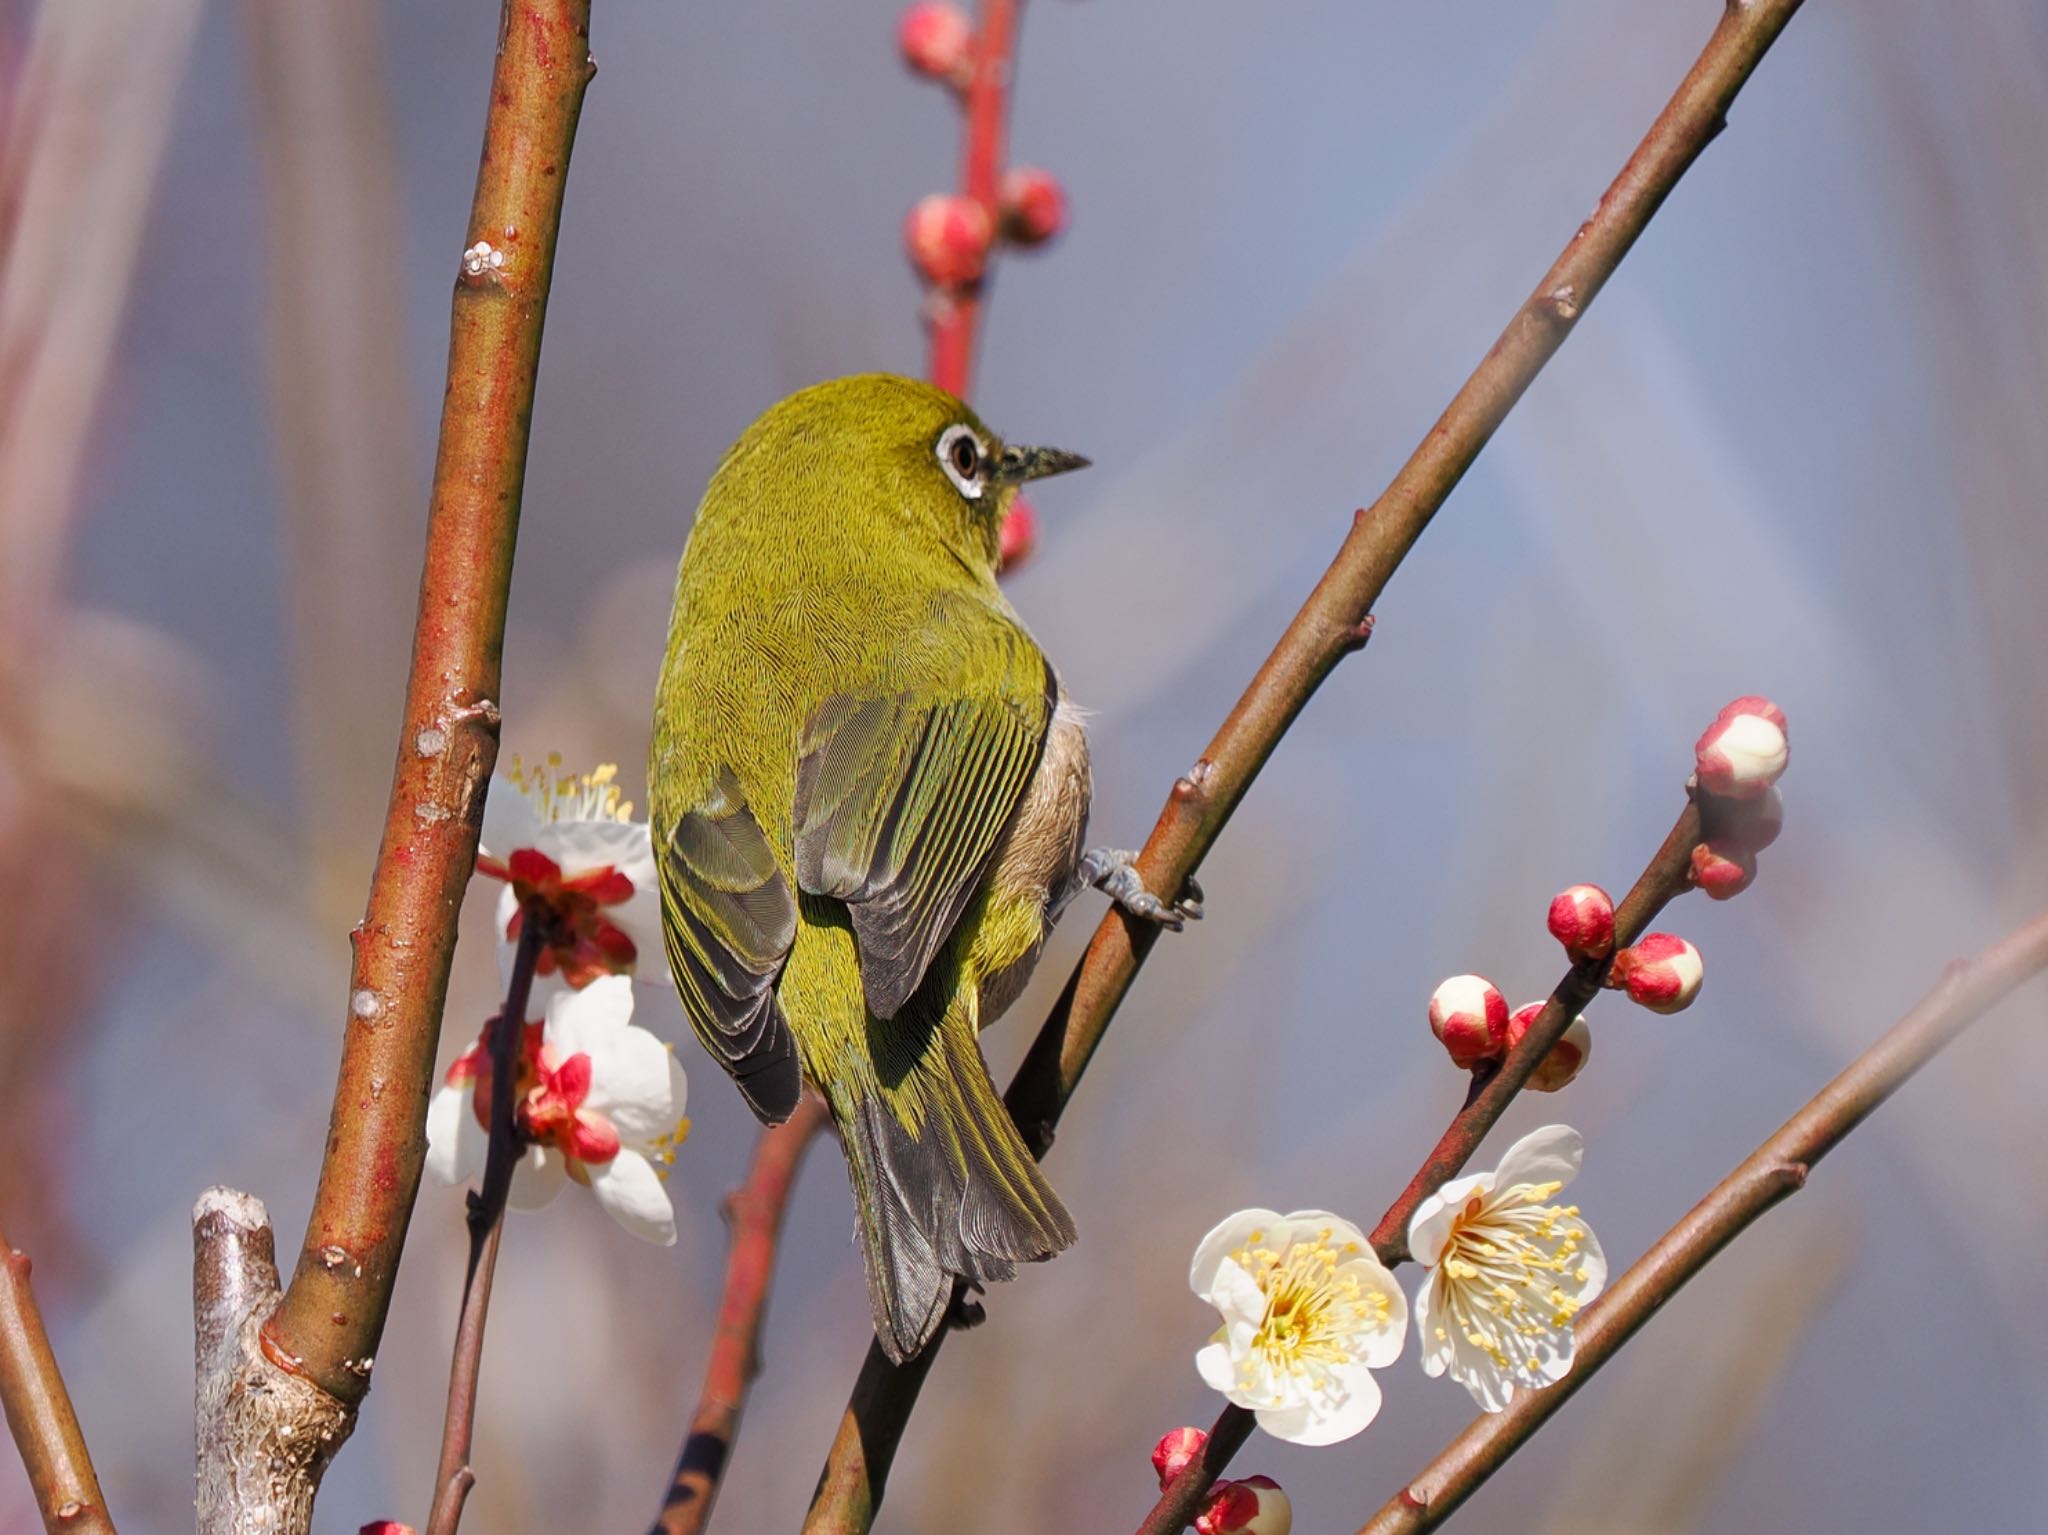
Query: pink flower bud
{"points": [[1254, 1506], [1750, 824], [1744, 750], [1567, 1058], [1722, 869], [1034, 206], [936, 40], [1582, 919], [1175, 1449], [1470, 1016], [948, 239], [1661, 971], [386, 1527], [1019, 536]]}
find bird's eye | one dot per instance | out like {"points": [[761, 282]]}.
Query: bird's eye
{"points": [[963, 458]]}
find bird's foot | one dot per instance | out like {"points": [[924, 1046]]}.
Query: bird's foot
{"points": [[966, 1309], [1113, 871]]}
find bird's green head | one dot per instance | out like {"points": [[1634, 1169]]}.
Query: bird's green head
{"points": [[878, 458]]}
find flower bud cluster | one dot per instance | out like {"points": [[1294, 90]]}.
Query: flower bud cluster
{"points": [[1254, 1505], [1470, 1018], [949, 236], [1737, 764]]}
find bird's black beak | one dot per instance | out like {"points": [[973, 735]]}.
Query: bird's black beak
{"points": [[1020, 464]]}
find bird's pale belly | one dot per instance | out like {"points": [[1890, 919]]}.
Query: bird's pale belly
{"points": [[1034, 872]]}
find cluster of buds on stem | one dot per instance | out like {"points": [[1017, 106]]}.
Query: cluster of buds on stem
{"points": [[1471, 1020], [1254, 1505], [951, 236], [1737, 764]]}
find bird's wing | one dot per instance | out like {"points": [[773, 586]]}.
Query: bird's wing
{"points": [[901, 799], [732, 919]]}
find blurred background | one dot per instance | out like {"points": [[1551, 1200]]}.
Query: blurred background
{"points": [[1795, 449]]}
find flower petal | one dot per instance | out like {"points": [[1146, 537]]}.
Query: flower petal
{"points": [[1430, 1226], [580, 846], [1238, 1296], [591, 1020], [1549, 1155], [638, 1084], [1382, 1346], [537, 1178], [1225, 1238], [456, 1143], [1213, 1363], [632, 1194], [1432, 1337], [510, 821], [1315, 1222], [1327, 1423]]}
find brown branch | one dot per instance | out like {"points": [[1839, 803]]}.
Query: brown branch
{"points": [[452, 1476], [333, 1312], [39, 1412], [755, 1211], [1334, 621], [1666, 875], [957, 313], [1776, 1169]]}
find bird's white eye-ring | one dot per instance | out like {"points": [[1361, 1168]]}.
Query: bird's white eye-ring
{"points": [[965, 460]]}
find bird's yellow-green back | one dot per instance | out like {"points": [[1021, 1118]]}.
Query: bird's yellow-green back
{"points": [[848, 716]]}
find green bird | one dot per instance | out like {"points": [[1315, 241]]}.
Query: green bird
{"points": [[869, 794]]}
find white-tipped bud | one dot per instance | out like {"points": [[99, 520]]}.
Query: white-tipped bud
{"points": [[1469, 1016], [1582, 919], [1565, 1059], [1744, 751], [1661, 971], [1254, 1506]]}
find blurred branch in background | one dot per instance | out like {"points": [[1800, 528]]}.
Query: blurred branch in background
{"points": [[326, 1328], [87, 115], [39, 1412], [339, 397], [1775, 1170], [1334, 621]]}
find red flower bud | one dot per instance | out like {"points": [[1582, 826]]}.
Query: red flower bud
{"points": [[1034, 206], [386, 1527], [937, 40], [1175, 1449], [1470, 1016], [1582, 919], [1661, 971], [1565, 1060], [1254, 1506], [948, 239], [1018, 538], [1744, 750], [1722, 869]]}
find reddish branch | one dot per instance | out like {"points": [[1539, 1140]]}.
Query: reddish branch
{"points": [[333, 1312], [39, 1411], [957, 314], [755, 1212], [1776, 1169], [1332, 623]]}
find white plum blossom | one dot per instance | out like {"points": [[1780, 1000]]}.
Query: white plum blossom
{"points": [[567, 844], [1309, 1312], [598, 1100], [1508, 1271]]}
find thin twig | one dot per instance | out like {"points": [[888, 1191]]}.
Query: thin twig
{"points": [[334, 1309], [1334, 621], [755, 1211], [1665, 876], [1776, 1169], [957, 311], [39, 1412], [453, 1477]]}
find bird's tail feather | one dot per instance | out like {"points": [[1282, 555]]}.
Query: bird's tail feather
{"points": [[958, 1195]]}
